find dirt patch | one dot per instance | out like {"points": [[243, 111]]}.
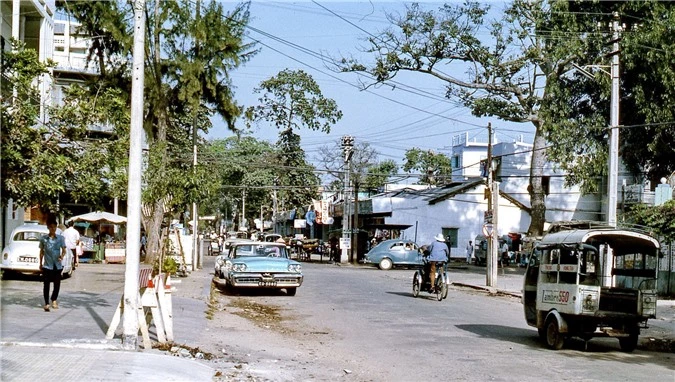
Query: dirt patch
{"points": [[264, 316]]}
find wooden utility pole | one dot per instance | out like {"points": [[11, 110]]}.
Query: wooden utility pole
{"points": [[133, 238]]}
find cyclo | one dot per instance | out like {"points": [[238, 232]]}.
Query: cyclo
{"points": [[421, 281]]}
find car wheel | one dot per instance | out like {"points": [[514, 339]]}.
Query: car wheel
{"points": [[291, 291], [554, 339], [628, 344], [416, 285], [386, 264]]}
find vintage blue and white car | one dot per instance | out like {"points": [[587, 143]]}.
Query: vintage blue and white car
{"points": [[390, 253], [22, 253], [259, 265]]}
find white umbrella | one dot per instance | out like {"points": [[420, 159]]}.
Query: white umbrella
{"points": [[99, 217]]}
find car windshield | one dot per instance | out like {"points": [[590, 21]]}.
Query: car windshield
{"points": [[257, 250], [28, 236]]}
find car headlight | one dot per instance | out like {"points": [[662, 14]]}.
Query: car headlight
{"points": [[239, 267], [227, 266], [5, 256], [294, 268]]}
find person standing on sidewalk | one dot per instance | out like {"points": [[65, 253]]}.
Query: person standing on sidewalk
{"points": [[52, 252], [469, 252], [72, 238]]}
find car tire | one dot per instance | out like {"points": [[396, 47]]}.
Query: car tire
{"points": [[554, 339], [628, 344], [291, 291], [386, 264]]}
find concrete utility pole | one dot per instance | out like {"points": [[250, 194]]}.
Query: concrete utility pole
{"points": [[130, 319], [614, 126], [347, 147], [491, 218], [195, 221]]}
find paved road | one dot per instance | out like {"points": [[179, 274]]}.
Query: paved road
{"points": [[357, 323]]}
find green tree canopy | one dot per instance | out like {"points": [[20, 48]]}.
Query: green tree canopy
{"points": [[512, 74], [191, 49], [434, 167], [292, 100]]}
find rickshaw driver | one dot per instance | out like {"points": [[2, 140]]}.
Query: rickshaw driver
{"points": [[438, 254]]}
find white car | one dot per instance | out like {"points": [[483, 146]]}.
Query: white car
{"points": [[22, 254]]}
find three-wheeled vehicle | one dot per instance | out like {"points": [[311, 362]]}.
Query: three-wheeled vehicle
{"points": [[591, 282]]}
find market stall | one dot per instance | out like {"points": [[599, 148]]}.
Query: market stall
{"points": [[106, 248]]}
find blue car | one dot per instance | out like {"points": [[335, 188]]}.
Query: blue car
{"points": [[260, 265], [390, 253]]}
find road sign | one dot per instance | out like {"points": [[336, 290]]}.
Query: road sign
{"points": [[488, 229], [487, 217], [345, 243]]}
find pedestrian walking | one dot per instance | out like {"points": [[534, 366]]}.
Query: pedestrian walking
{"points": [[72, 239], [469, 252], [52, 252]]}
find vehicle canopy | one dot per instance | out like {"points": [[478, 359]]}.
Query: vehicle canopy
{"points": [[632, 261], [622, 241]]}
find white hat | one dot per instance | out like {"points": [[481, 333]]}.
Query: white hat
{"points": [[439, 237]]}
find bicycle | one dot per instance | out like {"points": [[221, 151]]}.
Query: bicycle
{"points": [[422, 284]]}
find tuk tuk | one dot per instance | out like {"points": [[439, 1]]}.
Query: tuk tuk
{"points": [[591, 282]]}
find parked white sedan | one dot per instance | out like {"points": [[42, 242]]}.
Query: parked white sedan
{"points": [[22, 254]]}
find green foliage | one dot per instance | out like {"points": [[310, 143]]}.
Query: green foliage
{"points": [[238, 164], [42, 160], [32, 165], [292, 100], [169, 265], [578, 107], [435, 168], [378, 175], [660, 219]]}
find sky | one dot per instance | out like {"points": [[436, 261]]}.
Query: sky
{"points": [[301, 35]]}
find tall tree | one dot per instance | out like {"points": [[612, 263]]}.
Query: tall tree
{"points": [[435, 168], [331, 157], [191, 49], [292, 100], [33, 170], [378, 175], [505, 75], [242, 164], [580, 105], [42, 160]]}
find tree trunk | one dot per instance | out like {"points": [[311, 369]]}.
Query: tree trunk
{"points": [[154, 223], [537, 202]]}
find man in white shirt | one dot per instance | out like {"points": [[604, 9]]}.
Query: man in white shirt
{"points": [[72, 238], [469, 252]]}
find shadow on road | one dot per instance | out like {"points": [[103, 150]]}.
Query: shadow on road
{"points": [[598, 349]]}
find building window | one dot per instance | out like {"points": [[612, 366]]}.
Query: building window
{"points": [[450, 235]]}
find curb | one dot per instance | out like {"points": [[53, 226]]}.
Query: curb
{"points": [[69, 344], [490, 290]]}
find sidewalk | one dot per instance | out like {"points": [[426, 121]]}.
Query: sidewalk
{"points": [[36, 345]]}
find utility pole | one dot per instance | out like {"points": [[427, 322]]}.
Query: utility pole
{"points": [[133, 239], [347, 148], [614, 126], [492, 194], [195, 221]]}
